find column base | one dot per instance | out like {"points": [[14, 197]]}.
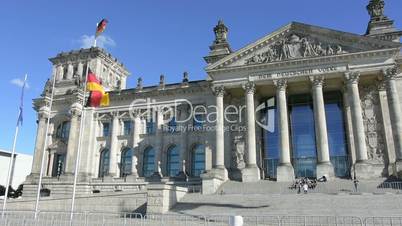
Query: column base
{"points": [[325, 169], [285, 173], [250, 174], [363, 170], [398, 169], [213, 179]]}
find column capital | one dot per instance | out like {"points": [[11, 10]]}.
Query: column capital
{"points": [[317, 80], [219, 91], [249, 87], [281, 84], [381, 85], [114, 114], [352, 77], [44, 112], [76, 110], [391, 72]]}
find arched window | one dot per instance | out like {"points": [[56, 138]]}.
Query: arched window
{"points": [[148, 162], [198, 160], [126, 162], [104, 163], [173, 161]]}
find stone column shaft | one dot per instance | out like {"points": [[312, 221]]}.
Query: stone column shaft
{"points": [[73, 136], [324, 166], [70, 71], [136, 141], [285, 171], [251, 173], [357, 117], [43, 114], [220, 132], [159, 143], [113, 168], [394, 110]]}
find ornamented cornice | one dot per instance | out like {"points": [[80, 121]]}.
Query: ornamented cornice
{"points": [[294, 47], [352, 77], [249, 87], [219, 91], [281, 84], [391, 73]]}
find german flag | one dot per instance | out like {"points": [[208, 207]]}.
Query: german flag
{"points": [[98, 96], [101, 27]]}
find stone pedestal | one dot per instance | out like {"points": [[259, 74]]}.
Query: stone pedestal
{"points": [[363, 171], [285, 173], [325, 169], [250, 174], [161, 197], [213, 179]]}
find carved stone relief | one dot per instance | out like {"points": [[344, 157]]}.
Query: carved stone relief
{"points": [[293, 47], [373, 127]]}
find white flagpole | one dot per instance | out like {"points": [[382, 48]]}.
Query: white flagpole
{"points": [[42, 167], [95, 36], [77, 161], [11, 163]]}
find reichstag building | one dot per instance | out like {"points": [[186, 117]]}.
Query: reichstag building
{"points": [[303, 101]]}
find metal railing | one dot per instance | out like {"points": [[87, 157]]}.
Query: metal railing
{"points": [[45, 218]]}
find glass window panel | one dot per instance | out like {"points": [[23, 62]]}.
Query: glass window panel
{"points": [[106, 128], [126, 162], [198, 160], [149, 162], [127, 128], [104, 163], [173, 163]]}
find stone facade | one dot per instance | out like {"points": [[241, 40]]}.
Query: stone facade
{"points": [[297, 59]]}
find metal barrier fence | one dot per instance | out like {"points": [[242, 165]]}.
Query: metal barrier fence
{"points": [[27, 218]]}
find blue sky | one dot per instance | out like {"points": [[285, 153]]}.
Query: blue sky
{"points": [[151, 37]]}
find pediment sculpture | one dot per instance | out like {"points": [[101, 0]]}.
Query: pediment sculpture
{"points": [[294, 47]]}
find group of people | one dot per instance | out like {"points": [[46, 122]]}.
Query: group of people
{"points": [[306, 184]]}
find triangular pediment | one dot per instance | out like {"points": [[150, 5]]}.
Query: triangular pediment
{"points": [[298, 41]]}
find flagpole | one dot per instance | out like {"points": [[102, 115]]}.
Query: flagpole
{"points": [[11, 163], [77, 161], [42, 167], [96, 36]]}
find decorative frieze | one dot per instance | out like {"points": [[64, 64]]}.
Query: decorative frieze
{"points": [[372, 120], [293, 47]]}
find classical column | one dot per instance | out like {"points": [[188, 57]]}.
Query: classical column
{"points": [[251, 173], [159, 145], [361, 168], [59, 72], [390, 75], [43, 115], [285, 171], [70, 71], [80, 70], [75, 112], [183, 140], [324, 166], [113, 168], [136, 141]]}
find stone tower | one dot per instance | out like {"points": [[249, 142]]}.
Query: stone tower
{"points": [[380, 26], [220, 47], [69, 70]]}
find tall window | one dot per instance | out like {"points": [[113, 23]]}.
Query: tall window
{"points": [[127, 126], [104, 163], [148, 167], [173, 161], [63, 131], [150, 126], [271, 135], [172, 125], [198, 160], [126, 162], [336, 133], [106, 129], [303, 135], [59, 165]]}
